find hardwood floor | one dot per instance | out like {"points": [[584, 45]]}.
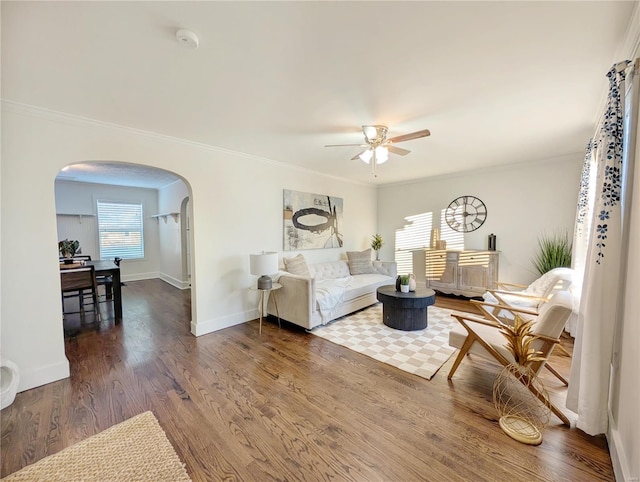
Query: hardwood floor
{"points": [[286, 405]]}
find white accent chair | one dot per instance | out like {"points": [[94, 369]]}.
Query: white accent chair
{"points": [[531, 297]]}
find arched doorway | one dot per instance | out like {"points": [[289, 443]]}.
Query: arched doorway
{"points": [[164, 199], [185, 220]]}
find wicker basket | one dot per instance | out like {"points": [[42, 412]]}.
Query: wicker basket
{"points": [[523, 416]]}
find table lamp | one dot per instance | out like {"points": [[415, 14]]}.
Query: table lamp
{"points": [[263, 265]]}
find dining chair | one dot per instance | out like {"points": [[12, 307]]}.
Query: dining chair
{"points": [[78, 257], [78, 283], [107, 282]]}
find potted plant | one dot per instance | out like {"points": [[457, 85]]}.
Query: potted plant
{"points": [[404, 283], [68, 249], [376, 244], [554, 251]]}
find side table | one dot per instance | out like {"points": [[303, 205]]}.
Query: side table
{"points": [[264, 297]]}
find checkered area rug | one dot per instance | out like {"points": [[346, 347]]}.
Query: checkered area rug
{"points": [[420, 352]]}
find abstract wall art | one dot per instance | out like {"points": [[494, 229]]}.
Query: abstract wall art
{"points": [[311, 221]]}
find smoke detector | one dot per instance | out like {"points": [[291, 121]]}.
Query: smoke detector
{"points": [[187, 39]]}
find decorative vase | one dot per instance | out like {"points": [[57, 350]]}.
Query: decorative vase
{"points": [[491, 242], [523, 416], [398, 283], [412, 283], [404, 288], [435, 238], [377, 255], [68, 261]]}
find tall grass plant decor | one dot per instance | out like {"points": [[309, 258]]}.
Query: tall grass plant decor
{"points": [[554, 251]]}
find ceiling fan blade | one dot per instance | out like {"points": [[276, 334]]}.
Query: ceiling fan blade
{"points": [[345, 145], [408, 137], [398, 150], [357, 156]]}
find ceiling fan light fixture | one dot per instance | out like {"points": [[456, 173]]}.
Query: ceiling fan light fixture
{"points": [[378, 146], [374, 134], [382, 155], [366, 156]]}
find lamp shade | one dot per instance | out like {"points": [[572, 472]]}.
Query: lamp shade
{"points": [[366, 156], [263, 265], [382, 154]]}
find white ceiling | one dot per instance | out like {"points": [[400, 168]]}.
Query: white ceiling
{"points": [[118, 174], [495, 82]]}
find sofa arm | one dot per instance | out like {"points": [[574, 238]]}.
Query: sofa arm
{"points": [[296, 299], [389, 268]]}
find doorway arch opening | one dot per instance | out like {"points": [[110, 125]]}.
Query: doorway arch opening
{"points": [[166, 224]]}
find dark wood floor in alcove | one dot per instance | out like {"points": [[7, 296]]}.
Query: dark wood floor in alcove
{"points": [[286, 405]]}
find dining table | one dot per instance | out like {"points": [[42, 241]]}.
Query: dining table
{"points": [[105, 267]]}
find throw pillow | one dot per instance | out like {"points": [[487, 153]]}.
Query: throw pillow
{"points": [[297, 265], [360, 262]]}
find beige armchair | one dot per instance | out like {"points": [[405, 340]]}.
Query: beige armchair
{"points": [[482, 337]]}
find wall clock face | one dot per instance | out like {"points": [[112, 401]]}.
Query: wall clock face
{"points": [[466, 214]]}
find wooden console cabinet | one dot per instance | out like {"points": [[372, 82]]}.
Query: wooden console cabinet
{"points": [[468, 273]]}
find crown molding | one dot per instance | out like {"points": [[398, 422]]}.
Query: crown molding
{"points": [[489, 169], [630, 48], [79, 121]]}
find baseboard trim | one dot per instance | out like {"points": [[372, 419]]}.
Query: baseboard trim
{"points": [[43, 375], [210, 326], [619, 459], [181, 285], [140, 276]]}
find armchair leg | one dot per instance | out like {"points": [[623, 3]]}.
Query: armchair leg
{"points": [[466, 346], [547, 402], [558, 376]]}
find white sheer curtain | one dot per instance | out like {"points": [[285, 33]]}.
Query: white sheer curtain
{"points": [[600, 247]]}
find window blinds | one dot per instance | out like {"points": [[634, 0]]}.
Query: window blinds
{"points": [[120, 232]]}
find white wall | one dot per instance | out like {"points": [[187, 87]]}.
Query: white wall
{"points": [[170, 233], [624, 418], [76, 197], [523, 201], [236, 205]]}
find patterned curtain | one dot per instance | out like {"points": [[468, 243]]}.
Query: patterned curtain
{"points": [[598, 243]]}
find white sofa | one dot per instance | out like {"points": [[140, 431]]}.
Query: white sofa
{"points": [[330, 292]]}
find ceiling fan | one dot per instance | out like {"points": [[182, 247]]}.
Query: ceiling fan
{"points": [[378, 146]]}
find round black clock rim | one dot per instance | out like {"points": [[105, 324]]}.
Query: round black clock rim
{"points": [[454, 220]]}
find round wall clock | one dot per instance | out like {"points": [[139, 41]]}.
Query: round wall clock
{"points": [[466, 214]]}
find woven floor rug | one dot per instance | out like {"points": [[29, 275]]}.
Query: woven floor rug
{"points": [[420, 352], [134, 450]]}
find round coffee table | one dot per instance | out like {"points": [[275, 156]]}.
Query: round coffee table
{"points": [[405, 311]]}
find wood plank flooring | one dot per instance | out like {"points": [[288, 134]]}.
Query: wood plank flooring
{"points": [[286, 405]]}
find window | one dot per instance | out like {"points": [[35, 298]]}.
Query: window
{"points": [[120, 230], [454, 239], [414, 235], [417, 235]]}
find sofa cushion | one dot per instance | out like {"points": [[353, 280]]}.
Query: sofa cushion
{"points": [[364, 284], [385, 267], [297, 265], [330, 270], [360, 262]]}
